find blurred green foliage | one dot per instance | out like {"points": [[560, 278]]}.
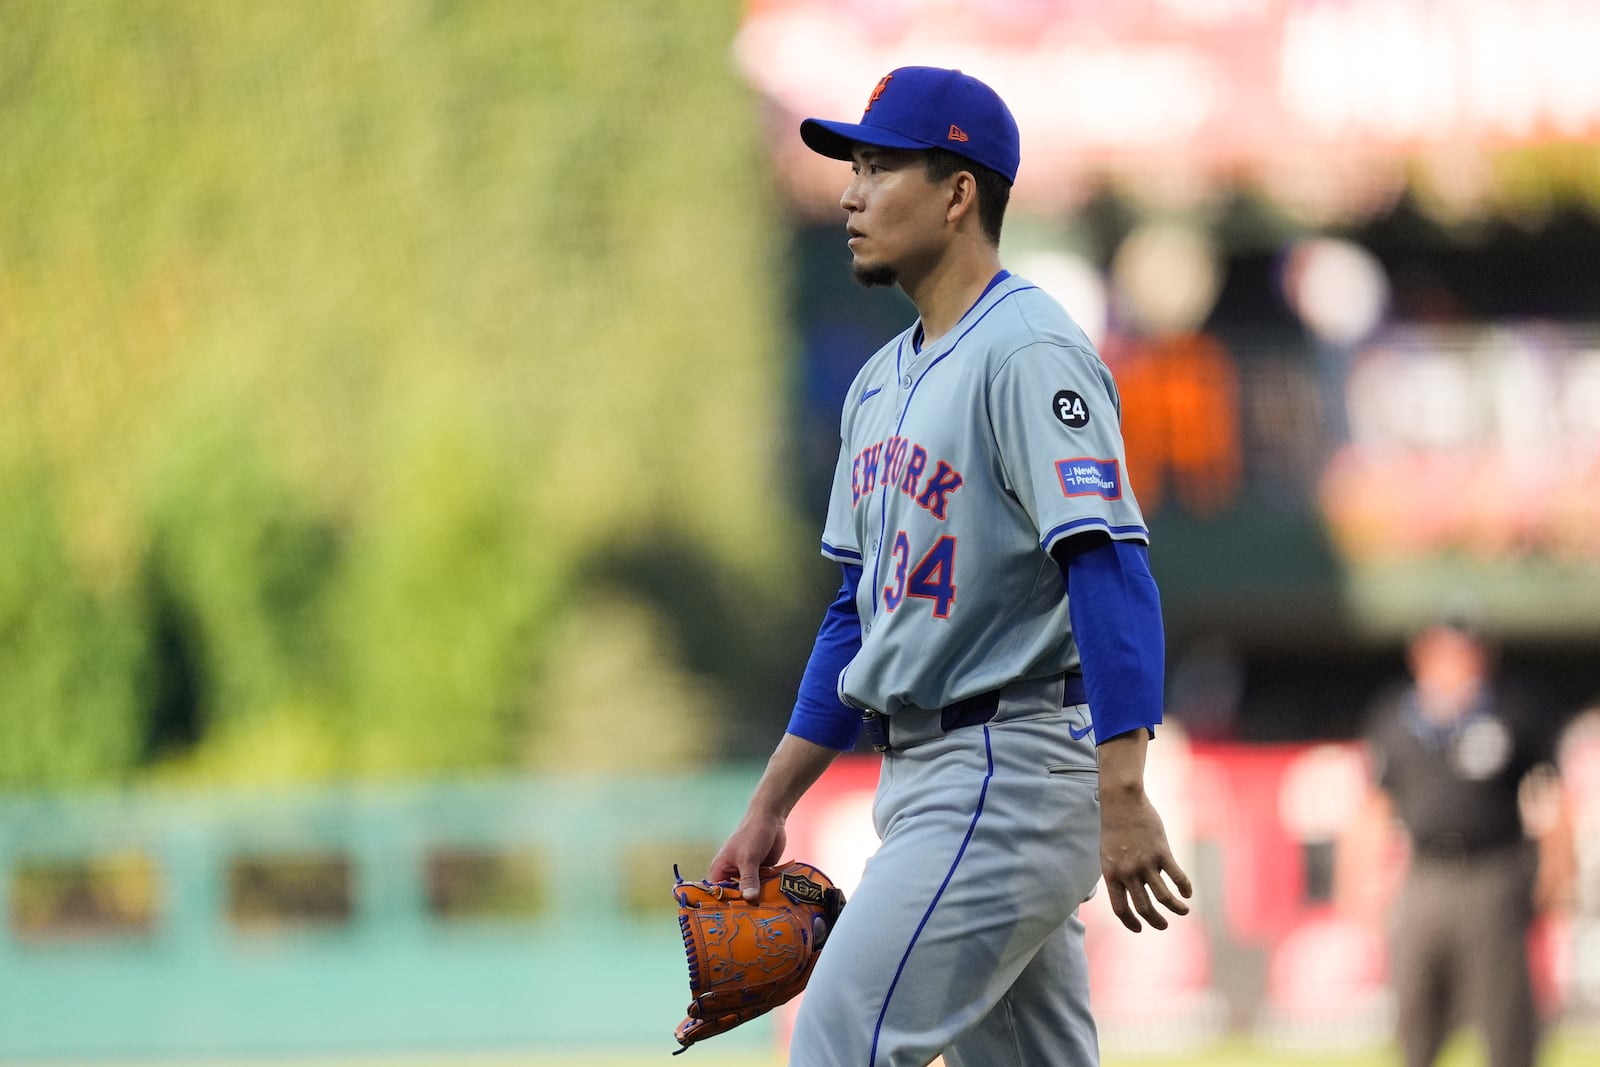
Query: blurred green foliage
{"points": [[349, 353], [70, 661]]}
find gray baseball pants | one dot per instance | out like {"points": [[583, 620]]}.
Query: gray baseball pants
{"points": [[962, 938]]}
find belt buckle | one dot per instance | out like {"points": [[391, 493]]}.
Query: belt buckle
{"points": [[877, 730]]}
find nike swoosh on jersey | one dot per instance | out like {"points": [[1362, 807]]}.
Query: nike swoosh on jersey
{"points": [[1079, 735], [868, 395]]}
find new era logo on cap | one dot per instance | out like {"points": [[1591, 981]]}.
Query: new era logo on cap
{"points": [[927, 107]]}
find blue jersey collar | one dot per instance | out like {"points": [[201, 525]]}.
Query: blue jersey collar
{"points": [[916, 336]]}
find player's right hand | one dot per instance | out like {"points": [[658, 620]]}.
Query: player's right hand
{"points": [[1134, 858], [758, 842]]}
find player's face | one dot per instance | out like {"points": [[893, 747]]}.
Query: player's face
{"points": [[896, 215]]}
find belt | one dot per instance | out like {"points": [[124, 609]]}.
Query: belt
{"points": [[973, 711]]}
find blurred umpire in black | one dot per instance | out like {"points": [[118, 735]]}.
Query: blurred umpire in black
{"points": [[1459, 760]]}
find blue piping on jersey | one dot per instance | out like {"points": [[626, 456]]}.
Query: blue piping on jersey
{"points": [[1065, 527], [916, 334], [840, 553], [877, 1030], [883, 498]]}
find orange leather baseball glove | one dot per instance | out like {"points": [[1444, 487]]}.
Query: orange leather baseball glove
{"points": [[745, 959]]}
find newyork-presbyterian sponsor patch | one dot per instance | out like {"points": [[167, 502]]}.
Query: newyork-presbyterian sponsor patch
{"points": [[1086, 476]]}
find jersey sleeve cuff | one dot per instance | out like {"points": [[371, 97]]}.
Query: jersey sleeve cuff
{"points": [[1130, 532], [840, 554]]}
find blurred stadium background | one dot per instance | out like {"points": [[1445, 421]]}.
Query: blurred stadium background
{"points": [[415, 419]]}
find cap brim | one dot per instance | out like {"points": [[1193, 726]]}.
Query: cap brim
{"points": [[837, 140]]}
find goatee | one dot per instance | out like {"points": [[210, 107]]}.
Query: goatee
{"points": [[880, 277]]}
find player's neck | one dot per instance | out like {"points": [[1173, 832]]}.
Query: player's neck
{"points": [[945, 292]]}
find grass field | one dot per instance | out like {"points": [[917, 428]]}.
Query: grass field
{"points": [[1569, 1050], [1565, 1051]]}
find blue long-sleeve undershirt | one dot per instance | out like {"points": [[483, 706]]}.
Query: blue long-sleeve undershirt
{"points": [[1115, 610], [819, 715]]}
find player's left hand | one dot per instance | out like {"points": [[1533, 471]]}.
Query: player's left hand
{"points": [[1134, 857], [758, 842]]}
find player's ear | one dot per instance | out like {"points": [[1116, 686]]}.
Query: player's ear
{"points": [[962, 192]]}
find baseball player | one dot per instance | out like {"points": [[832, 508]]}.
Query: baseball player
{"points": [[998, 633]]}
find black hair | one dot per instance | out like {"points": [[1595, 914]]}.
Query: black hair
{"points": [[994, 192]]}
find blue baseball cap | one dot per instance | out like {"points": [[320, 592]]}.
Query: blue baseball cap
{"points": [[927, 107]]}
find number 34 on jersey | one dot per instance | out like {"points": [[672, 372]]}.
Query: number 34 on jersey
{"points": [[933, 578], [899, 465]]}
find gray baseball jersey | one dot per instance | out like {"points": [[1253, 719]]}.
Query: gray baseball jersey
{"points": [[960, 467]]}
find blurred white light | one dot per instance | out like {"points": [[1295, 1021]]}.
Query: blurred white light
{"points": [[1338, 289], [845, 837], [1521, 384], [1581, 401], [1212, 12], [1321, 791], [1166, 277], [1074, 282]]}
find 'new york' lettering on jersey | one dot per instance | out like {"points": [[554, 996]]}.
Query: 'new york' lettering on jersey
{"points": [[887, 462], [953, 485]]}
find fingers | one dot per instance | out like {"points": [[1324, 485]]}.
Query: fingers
{"points": [[751, 859], [734, 864], [1139, 894], [1140, 899], [746, 873], [1163, 893], [750, 882], [743, 871], [724, 867], [1119, 906], [755, 843], [1180, 880]]}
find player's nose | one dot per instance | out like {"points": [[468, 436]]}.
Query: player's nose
{"points": [[850, 199]]}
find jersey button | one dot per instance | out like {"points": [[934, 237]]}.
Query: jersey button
{"points": [[905, 381]]}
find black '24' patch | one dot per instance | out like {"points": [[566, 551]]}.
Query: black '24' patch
{"points": [[1070, 409]]}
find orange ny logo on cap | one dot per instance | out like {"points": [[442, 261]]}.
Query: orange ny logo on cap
{"points": [[883, 83]]}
